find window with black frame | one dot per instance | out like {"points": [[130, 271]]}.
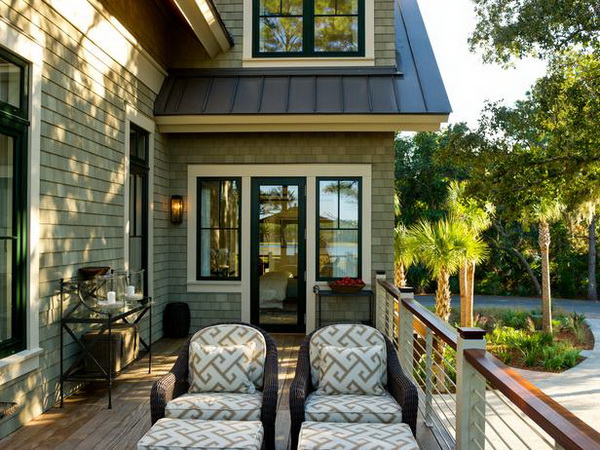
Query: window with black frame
{"points": [[296, 28], [339, 228], [219, 237], [139, 140], [13, 203]]}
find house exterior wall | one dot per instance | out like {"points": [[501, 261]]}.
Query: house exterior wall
{"points": [[232, 13], [85, 90], [376, 149]]}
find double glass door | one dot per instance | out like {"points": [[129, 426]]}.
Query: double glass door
{"points": [[278, 250]]}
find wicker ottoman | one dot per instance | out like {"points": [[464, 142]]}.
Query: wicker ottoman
{"points": [[175, 434], [363, 436]]}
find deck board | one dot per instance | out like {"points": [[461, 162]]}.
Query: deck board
{"points": [[86, 423]]}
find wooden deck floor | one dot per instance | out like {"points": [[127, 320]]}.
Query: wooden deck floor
{"points": [[86, 423]]}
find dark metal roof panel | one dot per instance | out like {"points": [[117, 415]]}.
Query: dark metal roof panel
{"points": [[329, 94], [248, 95], [423, 87], [302, 95], [356, 95], [274, 95]]}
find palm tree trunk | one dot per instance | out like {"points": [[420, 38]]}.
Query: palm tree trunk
{"points": [[544, 243], [463, 286], [470, 294], [442, 309], [443, 295], [592, 289], [399, 275]]}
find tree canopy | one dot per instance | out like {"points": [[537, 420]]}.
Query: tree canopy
{"points": [[508, 29]]}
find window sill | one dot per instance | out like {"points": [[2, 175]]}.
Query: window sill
{"points": [[309, 62], [19, 364], [214, 286]]}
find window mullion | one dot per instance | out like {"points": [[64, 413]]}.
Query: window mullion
{"points": [[308, 25]]}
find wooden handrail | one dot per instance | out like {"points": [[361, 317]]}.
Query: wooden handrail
{"points": [[439, 327], [567, 429]]}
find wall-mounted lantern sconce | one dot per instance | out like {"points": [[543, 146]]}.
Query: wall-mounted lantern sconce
{"points": [[176, 209]]}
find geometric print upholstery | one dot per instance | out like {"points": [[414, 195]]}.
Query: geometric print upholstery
{"points": [[374, 436], [215, 406], [352, 370], [176, 434], [220, 369], [344, 335], [236, 334], [352, 408]]}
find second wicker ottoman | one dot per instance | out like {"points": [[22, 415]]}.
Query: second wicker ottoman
{"points": [[355, 436]]}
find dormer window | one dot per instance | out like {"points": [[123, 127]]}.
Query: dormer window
{"points": [[309, 28]]}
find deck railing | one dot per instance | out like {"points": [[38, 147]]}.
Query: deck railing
{"points": [[467, 397]]}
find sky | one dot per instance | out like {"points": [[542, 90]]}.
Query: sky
{"points": [[468, 81]]}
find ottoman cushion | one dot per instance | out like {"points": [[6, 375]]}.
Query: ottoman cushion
{"points": [[175, 434], [352, 408], [363, 436], [215, 406]]}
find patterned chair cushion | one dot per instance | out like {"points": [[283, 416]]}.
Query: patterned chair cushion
{"points": [[236, 334], [344, 335], [176, 434], [343, 436], [216, 406], [352, 370], [352, 408], [220, 368]]}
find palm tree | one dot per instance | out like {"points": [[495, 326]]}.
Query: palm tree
{"points": [[443, 247], [477, 218], [544, 213], [402, 257]]}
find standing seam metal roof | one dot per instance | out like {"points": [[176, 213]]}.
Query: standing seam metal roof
{"points": [[413, 87]]}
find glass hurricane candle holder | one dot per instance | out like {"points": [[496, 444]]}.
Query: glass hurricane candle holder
{"points": [[134, 285], [111, 288]]}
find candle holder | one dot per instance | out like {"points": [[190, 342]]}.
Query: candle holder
{"points": [[110, 289], [134, 285]]}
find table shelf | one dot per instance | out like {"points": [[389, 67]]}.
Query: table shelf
{"points": [[78, 306]]}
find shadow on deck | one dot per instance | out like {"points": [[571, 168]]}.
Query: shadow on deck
{"points": [[86, 423]]}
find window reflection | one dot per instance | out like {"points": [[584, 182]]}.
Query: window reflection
{"points": [[219, 233], [339, 228]]}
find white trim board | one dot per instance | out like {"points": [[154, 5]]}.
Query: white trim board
{"points": [[134, 116], [246, 173], [239, 123], [28, 360]]}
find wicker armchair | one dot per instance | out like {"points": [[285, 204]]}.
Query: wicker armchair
{"points": [[403, 391], [175, 384]]}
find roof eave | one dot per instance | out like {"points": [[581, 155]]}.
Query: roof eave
{"points": [[206, 23], [240, 123]]}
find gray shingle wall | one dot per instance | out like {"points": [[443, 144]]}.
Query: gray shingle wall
{"points": [[278, 148], [81, 183]]}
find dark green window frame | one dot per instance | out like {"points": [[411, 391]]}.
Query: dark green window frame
{"points": [[319, 228], [199, 228], [308, 32], [14, 123]]}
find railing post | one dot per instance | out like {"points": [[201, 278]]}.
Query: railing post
{"points": [[380, 300], [428, 377], [405, 335], [470, 392]]}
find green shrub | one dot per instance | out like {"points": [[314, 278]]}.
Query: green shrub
{"points": [[574, 323]]}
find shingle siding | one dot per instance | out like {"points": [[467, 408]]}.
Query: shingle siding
{"points": [[82, 167], [279, 148]]}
